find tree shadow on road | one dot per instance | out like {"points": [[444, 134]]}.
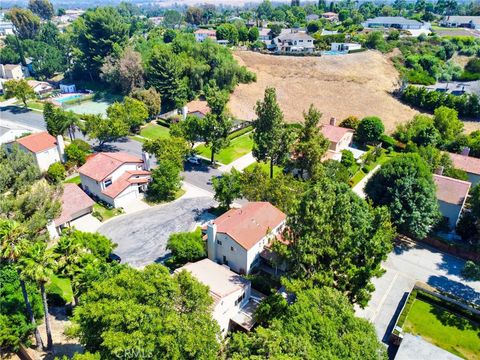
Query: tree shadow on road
{"points": [[392, 349], [455, 288], [16, 109], [451, 267]]}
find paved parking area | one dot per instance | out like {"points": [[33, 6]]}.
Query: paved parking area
{"points": [[407, 264], [142, 236]]}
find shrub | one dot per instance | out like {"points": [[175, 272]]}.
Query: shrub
{"points": [[350, 122], [471, 271], [56, 173], [75, 155], [369, 130], [388, 141], [186, 247]]}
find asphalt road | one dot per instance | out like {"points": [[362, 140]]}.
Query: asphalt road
{"points": [[407, 264], [142, 236], [198, 175]]}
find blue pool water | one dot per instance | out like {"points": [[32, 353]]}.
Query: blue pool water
{"points": [[76, 96], [330, 52]]}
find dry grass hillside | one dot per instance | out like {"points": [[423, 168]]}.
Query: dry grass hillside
{"points": [[357, 84]]}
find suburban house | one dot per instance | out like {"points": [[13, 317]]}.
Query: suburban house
{"points": [[202, 34], [75, 204], [331, 16], [397, 22], [40, 87], [115, 178], [468, 164], [11, 71], [266, 37], [345, 46], [45, 148], [238, 237], [9, 132], [340, 137], [472, 22], [198, 108], [6, 28], [68, 88], [451, 197], [294, 41], [234, 301]]}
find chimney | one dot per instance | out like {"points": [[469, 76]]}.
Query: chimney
{"points": [[146, 161], [184, 112], [61, 148], [465, 151], [211, 241], [333, 121], [439, 170]]}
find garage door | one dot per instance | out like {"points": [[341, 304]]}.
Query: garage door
{"points": [[125, 199]]}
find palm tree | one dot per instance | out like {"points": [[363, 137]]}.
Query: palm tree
{"points": [[38, 265], [13, 241], [68, 122]]}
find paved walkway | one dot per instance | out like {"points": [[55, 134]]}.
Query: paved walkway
{"points": [[239, 164], [359, 188]]}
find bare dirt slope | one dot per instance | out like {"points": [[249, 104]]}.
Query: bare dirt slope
{"points": [[342, 85]]}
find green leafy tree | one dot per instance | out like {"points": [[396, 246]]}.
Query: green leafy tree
{"points": [[132, 322], [38, 265], [186, 247], [190, 129], [25, 23], [13, 240], [271, 138], [253, 34], [350, 122], [75, 154], [326, 230], [216, 124], [228, 32], [172, 19], [165, 75], [420, 130], [194, 15], [132, 112], [369, 130], [227, 188], [348, 160], [405, 185], [100, 32], [320, 324], [42, 8], [447, 123], [18, 89], [18, 170], [311, 145], [151, 98], [172, 149], [56, 173], [166, 181], [105, 130]]}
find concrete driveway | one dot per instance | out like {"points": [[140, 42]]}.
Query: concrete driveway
{"points": [[407, 264], [142, 236]]}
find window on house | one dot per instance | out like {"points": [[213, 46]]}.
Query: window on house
{"points": [[240, 299], [231, 248], [107, 182], [219, 242]]}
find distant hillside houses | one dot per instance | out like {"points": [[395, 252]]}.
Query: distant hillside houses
{"points": [[396, 22], [472, 22]]}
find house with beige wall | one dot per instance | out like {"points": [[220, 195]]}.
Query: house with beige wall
{"points": [[234, 301], [115, 178], [238, 237]]}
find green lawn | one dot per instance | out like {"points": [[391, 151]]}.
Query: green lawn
{"points": [[74, 180], [444, 329], [37, 105], [361, 173], [102, 213], [153, 131], [238, 147], [265, 167], [62, 287]]}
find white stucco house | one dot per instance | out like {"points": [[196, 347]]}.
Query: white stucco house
{"points": [[396, 22], [234, 301], [11, 71], [202, 34], [293, 41], [451, 197], [469, 164], [45, 148], [345, 46], [472, 22], [238, 237], [115, 178]]}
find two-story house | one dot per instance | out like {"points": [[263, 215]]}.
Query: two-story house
{"points": [[45, 148], [294, 41], [234, 301], [116, 178], [238, 237]]}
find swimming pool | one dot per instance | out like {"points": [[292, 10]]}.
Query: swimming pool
{"points": [[66, 98], [331, 52]]}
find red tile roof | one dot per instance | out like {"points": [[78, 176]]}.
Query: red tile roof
{"points": [[466, 163], [208, 32], [452, 191], [38, 142], [251, 223], [100, 165], [198, 106], [334, 133], [124, 181], [74, 201]]}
